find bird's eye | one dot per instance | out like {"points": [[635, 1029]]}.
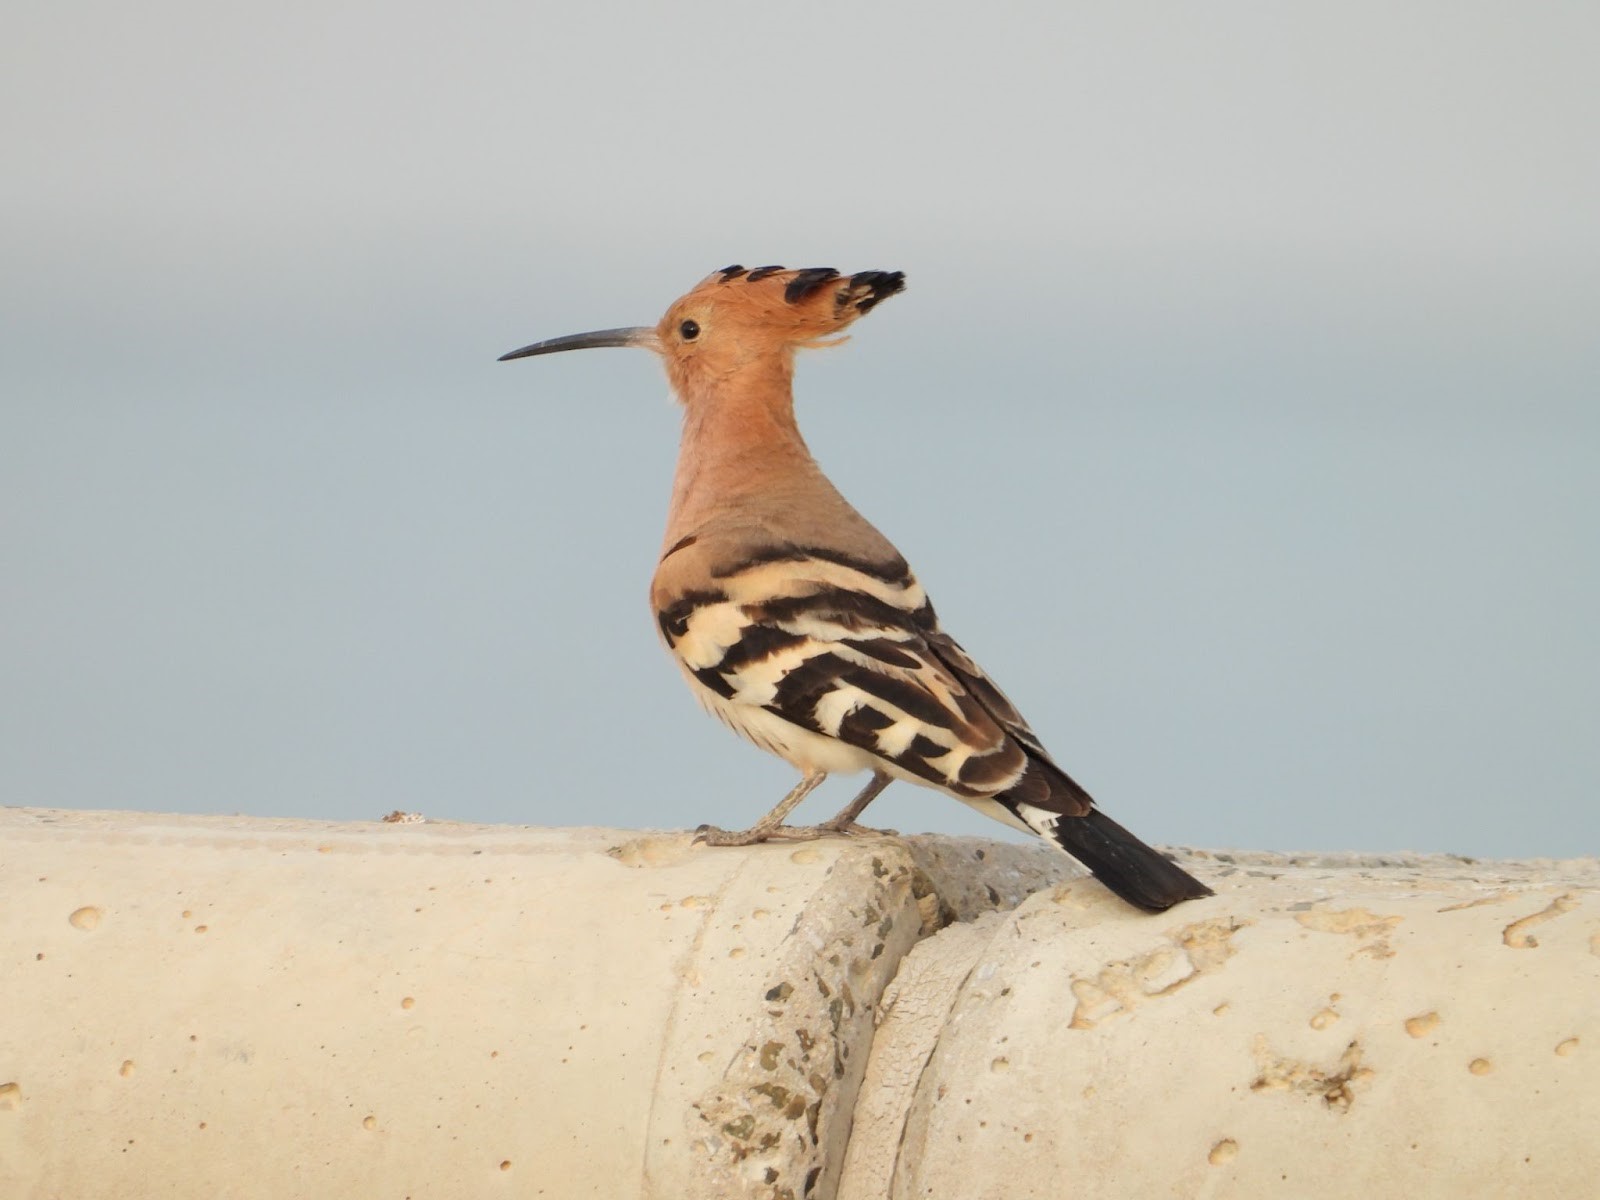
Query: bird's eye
{"points": [[689, 330]]}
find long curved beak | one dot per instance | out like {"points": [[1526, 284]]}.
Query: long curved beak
{"points": [[634, 335]]}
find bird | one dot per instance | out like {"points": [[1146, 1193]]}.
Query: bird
{"points": [[798, 624]]}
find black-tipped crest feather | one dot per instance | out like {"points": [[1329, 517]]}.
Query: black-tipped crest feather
{"points": [[807, 282], [864, 290], [868, 288]]}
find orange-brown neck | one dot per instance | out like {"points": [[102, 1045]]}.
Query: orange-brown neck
{"points": [[740, 444]]}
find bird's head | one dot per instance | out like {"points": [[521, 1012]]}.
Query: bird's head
{"points": [[736, 320]]}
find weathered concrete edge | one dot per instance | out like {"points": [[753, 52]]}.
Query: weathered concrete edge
{"points": [[947, 880]]}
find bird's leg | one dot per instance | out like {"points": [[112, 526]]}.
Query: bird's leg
{"points": [[769, 825], [845, 820]]}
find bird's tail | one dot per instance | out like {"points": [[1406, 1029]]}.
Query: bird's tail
{"points": [[1052, 804], [1140, 874]]}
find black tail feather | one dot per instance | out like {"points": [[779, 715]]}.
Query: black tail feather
{"points": [[1138, 873]]}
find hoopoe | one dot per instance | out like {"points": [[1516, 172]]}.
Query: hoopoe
{"points": [[798, 624]]}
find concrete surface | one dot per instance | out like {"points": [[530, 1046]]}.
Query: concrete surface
{"points": [[237, 1007], [1324, 1027]]}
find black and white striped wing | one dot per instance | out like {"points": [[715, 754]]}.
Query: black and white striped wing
{"points": [[852, 651]]}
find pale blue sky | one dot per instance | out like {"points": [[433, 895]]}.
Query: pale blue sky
{"points": [[1242, 415]]}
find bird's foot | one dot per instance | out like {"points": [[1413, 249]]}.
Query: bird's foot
{"points": [[711, 835]]}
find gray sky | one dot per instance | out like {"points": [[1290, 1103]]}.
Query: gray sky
{"points": [[1249, 352]]}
